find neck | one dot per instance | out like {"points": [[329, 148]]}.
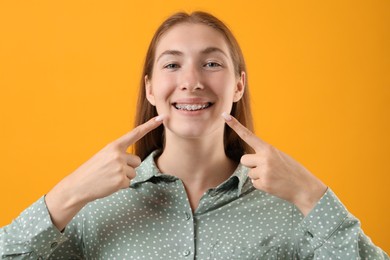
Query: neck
{"points": [[200, 163]]}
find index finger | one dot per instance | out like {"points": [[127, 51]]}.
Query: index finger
{"points": [[140, 131], [250, 138]]}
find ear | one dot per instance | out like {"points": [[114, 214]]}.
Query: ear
{"points": [[240, 88], [149, 91]]}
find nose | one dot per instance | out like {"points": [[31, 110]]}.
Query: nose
{"points": [[190, 79]]}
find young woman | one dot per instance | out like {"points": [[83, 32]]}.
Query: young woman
{"points": [[207, 187]]}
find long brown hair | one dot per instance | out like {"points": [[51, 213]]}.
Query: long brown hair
{"points": [[234, 146]]}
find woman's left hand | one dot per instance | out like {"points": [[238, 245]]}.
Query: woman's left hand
{"points": [[275, 172]]}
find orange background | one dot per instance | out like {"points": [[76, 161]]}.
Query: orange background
{"points": [[318, 73]]}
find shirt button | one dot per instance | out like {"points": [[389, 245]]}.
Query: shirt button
{"points": [[187, 253], [53, 245], [188, 216]]}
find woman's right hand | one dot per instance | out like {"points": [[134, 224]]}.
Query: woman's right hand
{"points": [[108, 171]]}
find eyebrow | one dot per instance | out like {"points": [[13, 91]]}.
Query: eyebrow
{"points": [[208, 50], [170, 52], [213, 49]]}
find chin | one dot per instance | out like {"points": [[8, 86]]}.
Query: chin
{"points": [[192, 130]]}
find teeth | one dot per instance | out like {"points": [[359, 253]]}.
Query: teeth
{"points": [[192, 107]]}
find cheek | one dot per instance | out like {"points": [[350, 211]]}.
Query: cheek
{"points": [[162, 88], [224, 87]]}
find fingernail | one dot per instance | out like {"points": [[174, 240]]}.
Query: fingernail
{"points": [[226, 116], [159, 118]]}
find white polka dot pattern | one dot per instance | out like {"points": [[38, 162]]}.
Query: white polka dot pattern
{"points": [[153, 220]]}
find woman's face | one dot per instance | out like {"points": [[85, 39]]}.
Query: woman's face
{"points": [[193, 80]]}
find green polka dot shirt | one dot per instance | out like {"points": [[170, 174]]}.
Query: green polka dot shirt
{"points": [[152, 219]]}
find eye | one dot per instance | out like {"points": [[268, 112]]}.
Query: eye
{"points": [[212, 64], [171, 66]]}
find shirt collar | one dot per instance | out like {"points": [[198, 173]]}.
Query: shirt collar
{"points": [[148, 169]]}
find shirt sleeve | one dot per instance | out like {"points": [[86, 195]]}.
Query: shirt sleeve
{"points": [[32, 235], [329, 231]]}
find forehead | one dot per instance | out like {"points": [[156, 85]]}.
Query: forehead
{"points": [[187, 37]]}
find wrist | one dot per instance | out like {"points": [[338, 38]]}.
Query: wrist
{"points": [[63, 203], [306, 200]]}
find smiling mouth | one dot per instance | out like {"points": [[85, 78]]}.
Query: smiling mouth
{"points": [[192, 107]]}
